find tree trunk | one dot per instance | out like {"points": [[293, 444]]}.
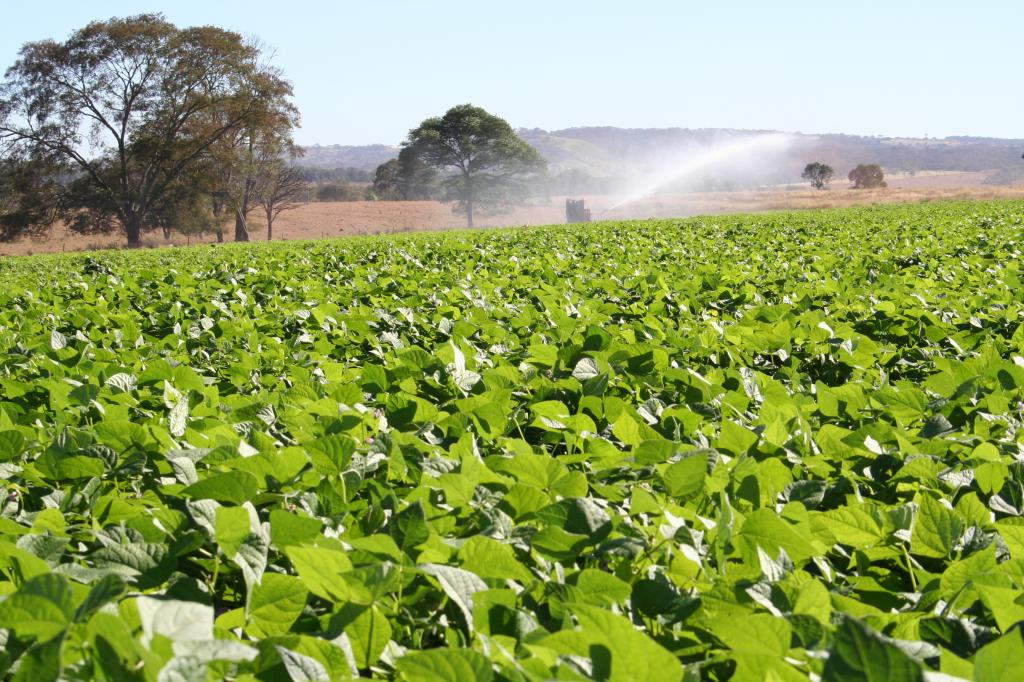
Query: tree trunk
{"points": [[218, 210], [270, 225], [133, 227], [241, 228], [469, 213]]}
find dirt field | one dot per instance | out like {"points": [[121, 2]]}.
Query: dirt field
{"points": [[317, 220]]}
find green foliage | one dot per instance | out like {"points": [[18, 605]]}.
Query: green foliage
{"points": [[488, 165], [387, 181], [818, 174], [747, 447], [29, 197], [117, 122], [406, 178], [340, 191], [867, 176]]}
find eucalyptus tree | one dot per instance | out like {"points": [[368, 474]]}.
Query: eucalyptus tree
{"points": [[125, 108], [250, 154]]}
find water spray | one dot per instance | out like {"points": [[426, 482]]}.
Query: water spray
{"points": [[691, 161]]}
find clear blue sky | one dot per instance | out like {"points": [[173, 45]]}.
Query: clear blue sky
{"points": [[368, 71]]}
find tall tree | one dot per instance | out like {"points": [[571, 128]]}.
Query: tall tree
{"points": [[819, 174], [242, 157], [281, 189], [128, 106], [867, 176], [487, 164]]}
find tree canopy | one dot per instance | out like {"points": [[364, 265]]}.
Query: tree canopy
{"points": [[406, 178], [867, 176], [387, 180], [28, 198], [484, 163], [819, 174], [123, 111]]}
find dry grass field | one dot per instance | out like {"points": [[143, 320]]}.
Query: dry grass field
{"points": [[321, 220], [937, 180]]}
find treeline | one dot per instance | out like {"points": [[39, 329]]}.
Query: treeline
{"points": [[336, 174], [136, 125]]}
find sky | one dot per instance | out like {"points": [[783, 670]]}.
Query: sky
{"points": [[366, 72]]}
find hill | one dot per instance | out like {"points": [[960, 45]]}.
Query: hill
{"points": [[365, 157], [611, 152], [617, 155]]}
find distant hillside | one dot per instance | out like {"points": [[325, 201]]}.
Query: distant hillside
{"points": [[366, 157], [615, 153], [912, 154], [610, 151]]}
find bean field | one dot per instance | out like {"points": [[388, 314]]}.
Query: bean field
{"points": [[758, 447]]}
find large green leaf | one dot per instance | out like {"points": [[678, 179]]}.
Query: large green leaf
{"points": [[766, 530], [235, 487], [859, 653], [1002, 659], [489, 558], [275, 604], [936, 529], [450, 665], [321, 571], [685, 479], [41, 608], [618, 651]]}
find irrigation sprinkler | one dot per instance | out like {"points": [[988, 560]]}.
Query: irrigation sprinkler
{"points": [[576, 211]]}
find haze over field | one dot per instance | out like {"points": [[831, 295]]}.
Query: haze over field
{"points": [[628, 156]]}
